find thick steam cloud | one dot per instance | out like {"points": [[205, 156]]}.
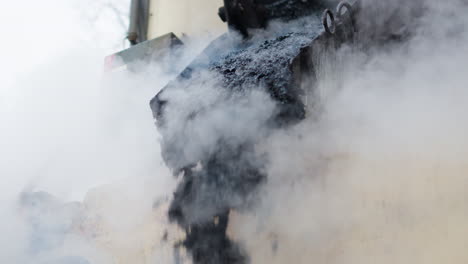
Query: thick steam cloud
{"points": [[381, 176], [378, 175]]}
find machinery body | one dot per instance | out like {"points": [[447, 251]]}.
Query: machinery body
{"points": [[226, 175]]}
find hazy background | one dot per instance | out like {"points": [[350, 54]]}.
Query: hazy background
{"points": [[66, 129], [50, 97], [380, 177]]}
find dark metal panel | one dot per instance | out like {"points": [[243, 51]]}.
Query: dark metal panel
{"points": [[146, 51]]}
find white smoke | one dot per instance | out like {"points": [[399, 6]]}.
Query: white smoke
{"points": [[68, 132], [381, 177]]}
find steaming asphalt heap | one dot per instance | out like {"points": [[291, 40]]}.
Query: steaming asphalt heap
{"points": [[230, 173]]}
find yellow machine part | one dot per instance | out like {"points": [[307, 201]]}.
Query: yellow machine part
{"points": [[184, 17]]}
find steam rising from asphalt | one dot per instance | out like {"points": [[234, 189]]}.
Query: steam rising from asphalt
{"points": [[65, 133], [68, 133], [378, 177], [381, 176]]}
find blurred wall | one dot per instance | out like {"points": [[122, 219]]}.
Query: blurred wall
{"points": [[185, 17]]}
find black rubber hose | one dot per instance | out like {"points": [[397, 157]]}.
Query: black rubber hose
{"points": [[330, 29]]}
